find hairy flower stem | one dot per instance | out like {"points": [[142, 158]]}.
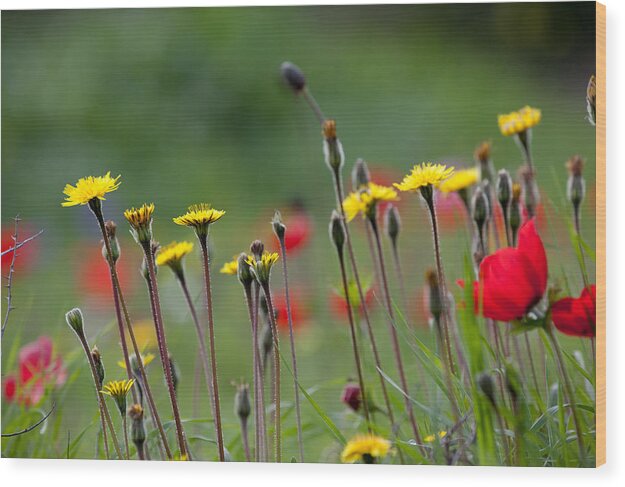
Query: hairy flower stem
{"points": [[338, 190], [260, 372], [400, 276], [203, 239], [122, 335], [277, 435], [162, 346], [247, 288], [97, 211], [442, 283], [298, 413], [201, 339], [352, 329], [98, 386], [570, 396], [393, 333], [125, 428], [246, 442]]}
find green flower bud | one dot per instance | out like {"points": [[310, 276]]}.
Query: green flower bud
{"points": [[75, 321], [337, 231], [360, 175], [504, 189], [278, 227], [293, 75], [242, 406], [332, 147], [99, 366], [392, 222]]}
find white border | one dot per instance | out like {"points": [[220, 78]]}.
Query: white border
{"points": [[95, 474]]}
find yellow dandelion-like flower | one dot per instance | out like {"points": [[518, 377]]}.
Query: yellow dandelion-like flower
{"points": [[145, 334], [171, 254], [365, 200], [516, 122], [232, 267], [365, 447], [262, 268], [460, 179], [140, 216], [352, 205], [199, 216], [146, 359], [431, 438], [118, 390], [425, 174], [89, 188]]}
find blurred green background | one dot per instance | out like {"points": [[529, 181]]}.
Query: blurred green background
{"points": [[187, 105]]}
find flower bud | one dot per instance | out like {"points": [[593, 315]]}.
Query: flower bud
{"points": [[293, 75], [75, 321], [266, 343], [504, 189], [486, 385], [257, 248], [392, 223], [591, 100], [337, 231], [360, 175], [434, 294], [479, 207], [332, 147], [576, 186], [531, 196], [175, 373], [242, 406], [279, 228], [99, 366], [352, 396], [482, 153], [137, 426], [243, 270], [111, 230], [515, 209]]}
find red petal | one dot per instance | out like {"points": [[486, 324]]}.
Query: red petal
{"points": [[10, 387], [34, 358], [576, 316]]}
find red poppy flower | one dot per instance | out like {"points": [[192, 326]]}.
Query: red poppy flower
{"points": [[26, 254], [299, 313], [38, 370], [576, 316], [513, 280]]}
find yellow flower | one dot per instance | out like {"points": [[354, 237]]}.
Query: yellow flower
{"points": [[145, 334], [231, 267], [365, 200], [517, 122], [171, 254], [431, 438], [146, 359], [262, 267], [352, 205], [118, 390], [461, 179], [140, 220], [365, 447], [199, 216], [425, 174], [89, 188]]}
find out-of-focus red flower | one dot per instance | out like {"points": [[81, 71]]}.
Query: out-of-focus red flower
{"points": [[338, 303], [576, 316], [352, 396], [299, 312], [26, 254], [513, 280], [93, 277], [450, 211], [38, 369]]}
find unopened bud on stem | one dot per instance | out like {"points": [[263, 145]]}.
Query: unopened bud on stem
{"points": [[293, 76], [392, 223], [332, 147], [337, 231], [360, 175]]}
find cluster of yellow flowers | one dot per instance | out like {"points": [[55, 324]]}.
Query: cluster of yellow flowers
{"points": [[516, 122]]}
